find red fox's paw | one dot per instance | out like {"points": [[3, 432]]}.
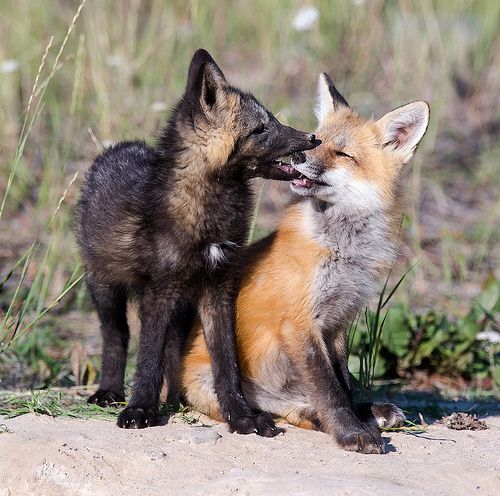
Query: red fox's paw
{"points": [[137, 418], [388, 415], [261, 424], [105, 398], [380, 414], [366, 441]]}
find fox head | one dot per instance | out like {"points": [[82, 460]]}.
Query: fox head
{"points": [[229, 131], [358, 165]]}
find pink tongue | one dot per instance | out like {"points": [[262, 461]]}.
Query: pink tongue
{"points": [[304, 182], [287, 168]]}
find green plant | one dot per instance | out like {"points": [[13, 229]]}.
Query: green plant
{"points": [[401, 341], [367, 341]]}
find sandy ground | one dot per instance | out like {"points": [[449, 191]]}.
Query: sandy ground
{"points": [[45, 456]]}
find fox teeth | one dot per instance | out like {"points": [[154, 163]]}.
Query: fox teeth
{"points": [[303, 182]]}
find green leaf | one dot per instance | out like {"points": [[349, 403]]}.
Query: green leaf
{"points": [[469, 326], [489, 298], [427, 347]]}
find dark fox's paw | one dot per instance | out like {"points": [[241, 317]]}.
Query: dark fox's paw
{"points": [[380, 414], [137, 418], [105, 398], [362, 440], [261, 424]]}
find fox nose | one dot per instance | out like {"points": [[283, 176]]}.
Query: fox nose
{"points": [[311, 138], [299, 157]]}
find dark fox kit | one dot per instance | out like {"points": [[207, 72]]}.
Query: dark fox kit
{"points": [[166, 223]]}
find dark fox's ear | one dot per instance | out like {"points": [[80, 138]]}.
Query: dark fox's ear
{"points": [[205, 79], [329, 97], [403, 128]]}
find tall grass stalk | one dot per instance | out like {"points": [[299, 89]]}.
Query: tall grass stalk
{"points": [[20, 305]]}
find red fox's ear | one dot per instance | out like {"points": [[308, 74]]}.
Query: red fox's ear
{"points": [[403, 128], [205, 79], [329, 98]]}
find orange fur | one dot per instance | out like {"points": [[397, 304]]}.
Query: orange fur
{"points": [[264, 321]]}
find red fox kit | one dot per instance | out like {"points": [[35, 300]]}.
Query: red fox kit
{"points": [[303, 285]]}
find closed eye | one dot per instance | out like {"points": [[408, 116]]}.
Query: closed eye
{"points": [[343, 154]]}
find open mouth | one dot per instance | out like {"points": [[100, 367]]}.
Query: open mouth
{"points": [[283, 163], [305, 182]]}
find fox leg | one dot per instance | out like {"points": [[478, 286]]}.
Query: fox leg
{"points": [[217, 314], [159, 309], [339, 356], [111, 305], [173, 351], [329, 399], [375, 414]]}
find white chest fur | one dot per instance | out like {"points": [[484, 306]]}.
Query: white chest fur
{"points": [[218, 253], [359, 245]]}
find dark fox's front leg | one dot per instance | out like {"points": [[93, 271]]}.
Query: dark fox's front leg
{"points": [[376, 414], [330, 400], [217, 313], [160, 309]]}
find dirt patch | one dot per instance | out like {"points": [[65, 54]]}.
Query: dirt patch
{"points": [[41, 456]]}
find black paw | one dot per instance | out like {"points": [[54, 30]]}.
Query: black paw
{"points": [[137, 418], [105, 398], [261, 424], [362, 440]]}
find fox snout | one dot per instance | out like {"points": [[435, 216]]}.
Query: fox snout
{"points": [[298, 140]]}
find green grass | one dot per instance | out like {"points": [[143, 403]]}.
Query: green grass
{"points": [[53, 404], [56, 403], [86, 74]]}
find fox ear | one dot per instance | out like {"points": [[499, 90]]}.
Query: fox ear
{"points": [[329, 98], [205, 79], [403, 128]]}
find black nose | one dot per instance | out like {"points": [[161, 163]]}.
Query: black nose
{"points": [[299, 157], [311, 138]]}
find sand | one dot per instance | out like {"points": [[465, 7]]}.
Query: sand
{"points": [[40, 455]]}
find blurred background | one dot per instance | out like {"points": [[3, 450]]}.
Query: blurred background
{"points": [[76, 77]]}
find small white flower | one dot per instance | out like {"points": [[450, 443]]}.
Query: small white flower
{"points": [[8, 66], [158, 107], [305, 18], [359, 3], [489, 335]]}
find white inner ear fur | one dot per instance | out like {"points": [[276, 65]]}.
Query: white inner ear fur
{"points": [[403, 128], [325, 102]]}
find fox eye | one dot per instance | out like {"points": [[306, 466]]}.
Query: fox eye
{"points": [[260, 129], [343, 154]]}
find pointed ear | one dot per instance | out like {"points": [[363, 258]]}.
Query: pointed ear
{"points": [[403, 128], [205, 79], [329, 97]]}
